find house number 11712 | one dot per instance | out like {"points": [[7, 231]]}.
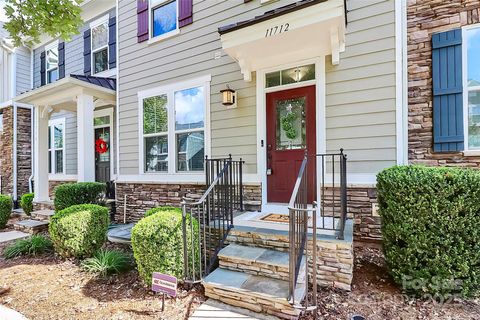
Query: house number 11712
{"points": [[277, 30]]}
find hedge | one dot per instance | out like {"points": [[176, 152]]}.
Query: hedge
{"points": [[161, 209], [431, 228], [79, 230], [26, 202], [69, 194], [157, 242], [5, 210]]}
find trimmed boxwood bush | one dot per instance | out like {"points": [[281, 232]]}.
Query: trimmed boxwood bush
{"points": [[69, 194], [161, 209], [431, 228], [79, 230], [5, 210], [26, 202], [157, 243]]}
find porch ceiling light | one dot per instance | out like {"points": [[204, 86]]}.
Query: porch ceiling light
{"points": [[229, 98]]}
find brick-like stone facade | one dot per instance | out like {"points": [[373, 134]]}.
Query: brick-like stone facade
{"points": [[425, 17], [139, 197], [24, 151]]}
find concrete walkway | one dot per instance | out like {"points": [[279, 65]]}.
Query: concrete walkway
{"points": [[9, 314], [214, 310], [8, 236]]}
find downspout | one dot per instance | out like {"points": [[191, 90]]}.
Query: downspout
{"points": [[32, 123], [15, 128]]}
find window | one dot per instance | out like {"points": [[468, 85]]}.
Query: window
{"points": [[472, 115], [173, 129], [163, 15], [51, 56], [289, 76], [56, 138], [99, 31]]}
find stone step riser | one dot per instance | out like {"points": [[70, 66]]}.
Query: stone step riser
{"points": [[270, 271], [34, 227], [252, 239], [249, 300]]}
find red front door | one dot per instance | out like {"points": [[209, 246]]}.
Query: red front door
{"points": [[290, 131]]}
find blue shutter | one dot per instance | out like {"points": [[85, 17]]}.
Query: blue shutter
{"points": [[447, 91], [61, 60], [87, 53], [42, 69], [112, 43]]}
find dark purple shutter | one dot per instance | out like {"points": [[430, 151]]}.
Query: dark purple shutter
{"points": [[447, 91], [87, 53], [42, 69], [142, 20], [185, 13], [61, 60], [112, 43]]}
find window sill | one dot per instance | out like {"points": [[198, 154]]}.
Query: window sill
{"points": [[471, 153], [62, 177], [165, 36], [110, 73]]}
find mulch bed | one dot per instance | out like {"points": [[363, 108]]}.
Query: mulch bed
{"points": [[48, 287]]}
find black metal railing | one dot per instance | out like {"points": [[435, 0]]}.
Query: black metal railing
{"points": [[304, 220], [207, 221]]}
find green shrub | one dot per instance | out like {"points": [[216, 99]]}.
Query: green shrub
{"points": [[105, 262], [33, 246], [79, 230], [69, 194], [161, 209], [26, 202], [157, 242], [431, 228], [5, 210]]}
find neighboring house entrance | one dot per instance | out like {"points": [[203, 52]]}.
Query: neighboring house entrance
{"points": [[290, 131], [103, 150]]}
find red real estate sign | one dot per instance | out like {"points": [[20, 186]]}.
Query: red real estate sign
{"points": [[164, 283]]}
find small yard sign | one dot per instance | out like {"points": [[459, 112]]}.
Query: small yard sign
{"points": [[164, 283]]}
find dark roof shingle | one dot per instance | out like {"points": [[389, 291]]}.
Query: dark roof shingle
{"points": [[109, 83]]}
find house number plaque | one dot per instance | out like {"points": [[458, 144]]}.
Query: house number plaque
{"points": [[277, 30]]}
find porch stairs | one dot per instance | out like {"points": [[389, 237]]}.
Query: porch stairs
{"points": [[254, 278], [37, 222]]}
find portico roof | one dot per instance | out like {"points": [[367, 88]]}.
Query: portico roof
{"points": [[62, 94], [299, 31]]}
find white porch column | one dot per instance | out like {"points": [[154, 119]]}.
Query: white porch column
{"points": [[86, 147], [41, 156]]}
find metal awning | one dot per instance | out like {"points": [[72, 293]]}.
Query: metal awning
{"points": [[299, 31]]}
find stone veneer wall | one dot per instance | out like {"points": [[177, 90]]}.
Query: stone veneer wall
{"points": [[6, 147], [143, 196], [425, 18], [24, 151]]}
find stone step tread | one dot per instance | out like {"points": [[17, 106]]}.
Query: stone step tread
{"points": [[255, 255], [262, 286], [44, 212], [30, 223], [212, 309], [8, 236]]}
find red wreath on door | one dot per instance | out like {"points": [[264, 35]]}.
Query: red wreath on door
{"points": [[101, 146]]}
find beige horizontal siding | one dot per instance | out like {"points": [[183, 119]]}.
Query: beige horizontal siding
{"points": [[360, 101]]}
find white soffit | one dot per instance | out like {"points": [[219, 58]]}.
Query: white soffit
{"points": [[314, 31]]}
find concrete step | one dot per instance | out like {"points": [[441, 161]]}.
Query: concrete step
{"points": [[42, 215], [256, 293], [254, 260], [31, 226], [216, 310]]}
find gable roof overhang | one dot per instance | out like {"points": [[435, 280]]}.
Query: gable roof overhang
{"points": [[62, 94], [299, 31]]}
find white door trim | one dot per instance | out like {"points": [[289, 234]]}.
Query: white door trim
{"points": [[262, 116], [103, 113]]}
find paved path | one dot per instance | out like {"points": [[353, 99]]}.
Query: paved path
{"points": [[9, 314], [7, 236], [214, 310]]}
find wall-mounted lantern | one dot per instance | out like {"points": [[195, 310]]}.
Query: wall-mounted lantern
{"points": [[229, 98]]}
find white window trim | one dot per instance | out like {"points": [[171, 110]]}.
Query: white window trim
{"points": [[94, 24], [170, 90], [151, 38], [52, 150], [48, 47], [467, 151]]}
